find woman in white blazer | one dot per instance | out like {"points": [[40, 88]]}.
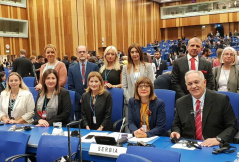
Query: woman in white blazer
{"points": [[136, 68], [17, 103]]}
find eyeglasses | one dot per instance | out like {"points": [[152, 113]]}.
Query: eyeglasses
{"points": [[81, 52], [143, 86], [196, 82], [229, 54]]}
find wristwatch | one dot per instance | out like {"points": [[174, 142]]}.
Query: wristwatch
{"points": [[219, 139]]}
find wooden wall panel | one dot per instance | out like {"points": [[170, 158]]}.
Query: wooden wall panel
{"points": [[15, 43], [119, 22]]}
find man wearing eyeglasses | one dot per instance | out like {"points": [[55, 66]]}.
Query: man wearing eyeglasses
{"points": [[203, 114], [190, 62], [77, 76]]}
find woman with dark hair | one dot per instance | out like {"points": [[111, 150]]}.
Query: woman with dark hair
{"points": [[146, 112], [136, 68], [2, 81], [54, 103], [16, 102], [96, 106]]}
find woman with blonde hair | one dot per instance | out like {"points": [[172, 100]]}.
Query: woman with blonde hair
{"points": [[111, 70], [53, 63], [16, 103], [226, 76], [96, 106], [216, 62]]}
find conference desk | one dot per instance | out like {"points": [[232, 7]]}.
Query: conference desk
{"points": [[203, 155]]}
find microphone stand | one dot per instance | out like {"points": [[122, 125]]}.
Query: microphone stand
{"points": [[69, 136], [120, 131]]}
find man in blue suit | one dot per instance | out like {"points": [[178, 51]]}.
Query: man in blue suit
{"points": [[78, 75]]}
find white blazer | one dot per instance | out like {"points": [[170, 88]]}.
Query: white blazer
{"points": [[128, 79], [23, 107]]}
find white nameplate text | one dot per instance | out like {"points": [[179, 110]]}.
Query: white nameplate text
{"points": [[106, 150]]}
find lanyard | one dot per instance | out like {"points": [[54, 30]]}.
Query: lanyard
{"points": [[12, 103], [225, 74], [45, 104], [94, 104], [106, 75], [3, 84]]}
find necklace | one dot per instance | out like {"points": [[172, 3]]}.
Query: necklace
{"points": [[14, 95]]}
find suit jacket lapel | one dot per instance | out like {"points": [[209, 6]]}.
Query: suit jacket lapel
{"points": [[132, 74], [218, 68], [200, 64], [151, 106], [232, 73], [88, 70], [185, 63], [142, 69], [207, 107], [18, 98], [137, 108], [189, 106]]}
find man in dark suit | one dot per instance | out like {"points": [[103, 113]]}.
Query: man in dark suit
{"points": [[22, 65], [190, 62], [78, 75], [203, 114], [159, 64]]}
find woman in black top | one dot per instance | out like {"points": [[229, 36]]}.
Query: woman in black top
{"points": [[111, 70], [54, 103], [96, 106]]}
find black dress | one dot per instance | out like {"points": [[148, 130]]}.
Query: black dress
{"points": [[113, 76]]}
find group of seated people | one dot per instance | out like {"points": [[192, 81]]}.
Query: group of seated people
{"points": [[146, 117]]}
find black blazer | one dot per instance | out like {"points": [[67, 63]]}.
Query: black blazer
{"points": [[162, 66], [1, 87], [64, 109], [103, 110], [180, 68], [23, 67], [218, 118]]}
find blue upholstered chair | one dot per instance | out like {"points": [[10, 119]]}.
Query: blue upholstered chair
{"points": [[52, 147], [29, 81], [154, 154], [131, 158], [12, 143], [72, 95], [118, 104], [66, 85], [168, 97], [234, 100], [34, 93]]}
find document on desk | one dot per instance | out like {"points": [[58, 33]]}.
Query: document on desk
{"points": [[118, 135], [182, 145], [146, 140], [91, 140]]}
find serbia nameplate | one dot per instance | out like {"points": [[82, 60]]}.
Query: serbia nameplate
{"points": [[106, 150]]}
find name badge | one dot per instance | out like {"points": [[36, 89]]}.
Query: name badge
{"points": [[144, 126], [94, 119], [12, 116], [44, 114], [158, 68], [106, 150], [106, 81]]}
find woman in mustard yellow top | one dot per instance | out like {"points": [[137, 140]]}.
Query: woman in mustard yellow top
{"points": [[147, 116]]}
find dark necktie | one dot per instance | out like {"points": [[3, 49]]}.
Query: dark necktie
{"points": [[83, 73]]}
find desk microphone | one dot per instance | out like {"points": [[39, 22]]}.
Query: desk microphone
{"points": [[122, 139]]}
